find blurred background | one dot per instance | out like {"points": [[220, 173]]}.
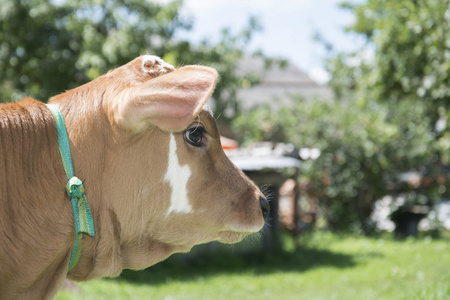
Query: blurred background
{"points": [[338, 110]]}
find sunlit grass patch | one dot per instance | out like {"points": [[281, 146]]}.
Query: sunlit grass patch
{"points": [[325, 266]]}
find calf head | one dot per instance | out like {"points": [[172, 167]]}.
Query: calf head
{"points": [[162, 180]]}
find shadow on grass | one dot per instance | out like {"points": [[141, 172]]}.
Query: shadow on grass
{"points": [[182, 267]]}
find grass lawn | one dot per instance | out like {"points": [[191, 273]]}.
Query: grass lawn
{"points": [[325, 266]]}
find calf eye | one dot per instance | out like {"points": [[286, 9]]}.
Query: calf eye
{"points": [[194, 136]]}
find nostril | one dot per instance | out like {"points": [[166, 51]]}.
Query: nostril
{"points": [[265, 208]]}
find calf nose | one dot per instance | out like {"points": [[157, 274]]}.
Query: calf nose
{"points": [[265, 208]]}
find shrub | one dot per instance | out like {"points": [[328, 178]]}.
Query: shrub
{"points": [[364, 148]]}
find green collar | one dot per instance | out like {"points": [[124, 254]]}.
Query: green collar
{"points": [[75, 189]]}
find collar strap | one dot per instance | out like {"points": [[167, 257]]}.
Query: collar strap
{"points": [[75, 189]]}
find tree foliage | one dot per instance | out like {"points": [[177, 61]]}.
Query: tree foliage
{"points": [[48, 46], [364, 149], [389, 96], [410, 42], [404, 66]]}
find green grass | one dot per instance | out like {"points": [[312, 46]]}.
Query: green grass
{"points": [[325, 266]]}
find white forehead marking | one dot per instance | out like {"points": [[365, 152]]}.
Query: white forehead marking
{"points": [[163, 66], [177, 176]]}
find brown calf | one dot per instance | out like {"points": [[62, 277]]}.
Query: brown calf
{"points": [[156, 178]]}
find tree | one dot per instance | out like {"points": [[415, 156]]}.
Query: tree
{"points": [[48, 46], [411, 60], [389, 96], [411, 41]]}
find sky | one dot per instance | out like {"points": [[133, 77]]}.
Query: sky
{"points": [[288, 27]]}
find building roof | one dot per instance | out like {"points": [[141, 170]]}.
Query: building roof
{"points": [[277, 82]]}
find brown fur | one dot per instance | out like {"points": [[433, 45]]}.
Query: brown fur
{"points": [[35, 221], [122, 168]]}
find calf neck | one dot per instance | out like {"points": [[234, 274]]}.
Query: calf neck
{"points": [[155, 175]]}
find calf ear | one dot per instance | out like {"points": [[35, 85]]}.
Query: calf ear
{"points": [[170, 101]]}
